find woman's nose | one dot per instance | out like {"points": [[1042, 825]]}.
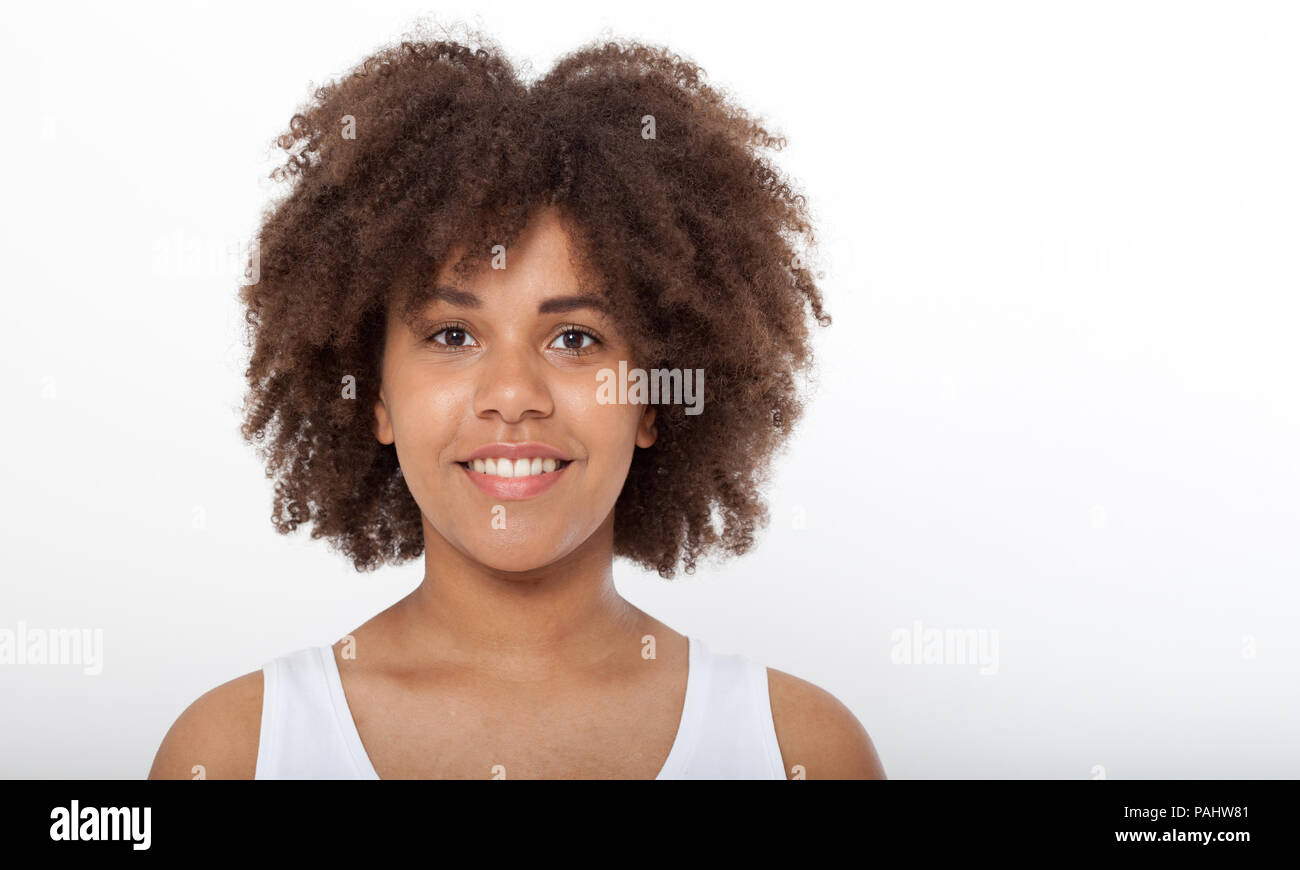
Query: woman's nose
{"points": [[513, 384]]}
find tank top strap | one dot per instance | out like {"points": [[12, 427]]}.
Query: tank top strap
{"points": [[730, 733], [302, 734]]}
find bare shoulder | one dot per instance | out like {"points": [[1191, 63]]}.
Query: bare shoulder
{"points": [[817, 732], [215, 737]]}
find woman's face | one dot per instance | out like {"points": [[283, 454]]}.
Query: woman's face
{"points": [[500, 384]]}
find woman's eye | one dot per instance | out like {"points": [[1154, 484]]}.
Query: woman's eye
{"points": [[453, 336], [573, 339], [570, 339]]}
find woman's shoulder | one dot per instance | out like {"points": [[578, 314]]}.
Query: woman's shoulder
{"points": [[215, 737], [818, 733]]}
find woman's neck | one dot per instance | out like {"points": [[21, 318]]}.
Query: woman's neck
{"points": [[564, 619]]}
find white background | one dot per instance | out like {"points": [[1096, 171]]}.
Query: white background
{"points": [[1061, 245]]}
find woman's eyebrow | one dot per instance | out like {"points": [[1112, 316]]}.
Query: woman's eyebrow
{"points": [[453, 296], [561, 304]]}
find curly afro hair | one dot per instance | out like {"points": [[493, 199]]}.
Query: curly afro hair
{"points": [[429, 146]]}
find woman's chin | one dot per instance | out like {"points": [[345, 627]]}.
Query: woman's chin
{"points": [[515, 558], [526, 543]]}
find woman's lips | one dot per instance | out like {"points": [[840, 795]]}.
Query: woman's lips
{"points": [[514, 488]]}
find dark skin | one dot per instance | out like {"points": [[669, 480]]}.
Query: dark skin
{"points": [[516, 652]]}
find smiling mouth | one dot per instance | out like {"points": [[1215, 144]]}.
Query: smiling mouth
{"points": [[514, 468]]}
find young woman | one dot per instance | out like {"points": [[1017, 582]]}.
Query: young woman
{"points": [[457, 301]]}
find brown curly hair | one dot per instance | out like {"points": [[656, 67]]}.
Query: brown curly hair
{"points": [[698, 242]]}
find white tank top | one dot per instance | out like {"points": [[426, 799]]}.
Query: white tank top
{"points": [[725, 732]]}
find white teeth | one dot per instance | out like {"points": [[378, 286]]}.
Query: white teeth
{"points": [[515, 467]]}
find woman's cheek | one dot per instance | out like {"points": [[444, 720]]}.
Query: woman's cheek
{"points": [[427, 432], [585, 413]]}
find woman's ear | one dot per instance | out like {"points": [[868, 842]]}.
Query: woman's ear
{"points": [[383, 427], [647, 432]]}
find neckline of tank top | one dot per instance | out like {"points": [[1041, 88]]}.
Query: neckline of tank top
{"points": [[698, 672]]}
